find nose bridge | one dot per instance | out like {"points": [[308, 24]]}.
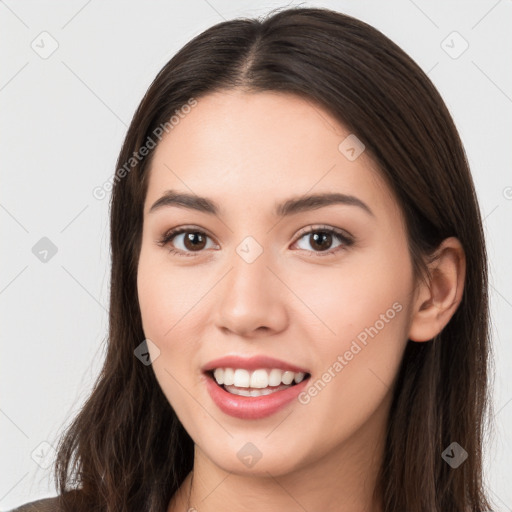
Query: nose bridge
{"points": [[251, 297], [250, 278]]}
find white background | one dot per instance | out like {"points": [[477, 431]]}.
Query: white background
{"points": [[63, 120]]}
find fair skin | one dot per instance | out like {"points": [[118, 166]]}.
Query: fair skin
{"points": [[247, 152]]}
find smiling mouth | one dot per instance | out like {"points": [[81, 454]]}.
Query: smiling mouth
{"points": [[261, 390]]}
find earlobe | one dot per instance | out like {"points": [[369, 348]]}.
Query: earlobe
{"points": [[438, 298]]}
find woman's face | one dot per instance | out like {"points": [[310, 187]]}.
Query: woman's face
{"points": [[248, 280]]}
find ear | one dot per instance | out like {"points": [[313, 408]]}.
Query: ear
{"points": [[437, 300]]}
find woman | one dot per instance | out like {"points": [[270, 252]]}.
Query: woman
{"points": [[298, 315]]}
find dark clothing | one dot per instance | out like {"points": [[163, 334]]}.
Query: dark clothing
{"points": [[71, 497], [44, 505]]}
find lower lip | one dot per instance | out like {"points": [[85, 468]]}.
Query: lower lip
{"points": [[249, 407]]}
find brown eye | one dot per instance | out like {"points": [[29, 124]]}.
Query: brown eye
{"points": [[194, 241], [321, 241], [185, 241]]}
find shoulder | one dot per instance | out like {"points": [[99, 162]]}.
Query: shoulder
{"points": [[42, 505]]}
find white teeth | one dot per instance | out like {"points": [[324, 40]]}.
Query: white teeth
{"points": [[299, 377], [254, 392], [242, 378], [258, 379], [287, 377], [228, 376], [274, 378], [244, 392], [219, 375]]}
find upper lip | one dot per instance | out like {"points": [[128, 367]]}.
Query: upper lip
{"points": [[251, 363]]}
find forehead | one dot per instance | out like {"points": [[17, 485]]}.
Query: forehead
{"points": [[246, 148]]}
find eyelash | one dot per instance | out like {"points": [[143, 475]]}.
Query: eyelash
{"points": [[347, 241]]}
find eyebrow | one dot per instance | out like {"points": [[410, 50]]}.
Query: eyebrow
{"points": [[289, 207]]}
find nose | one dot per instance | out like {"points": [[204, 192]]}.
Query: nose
{"points": [[252, 298]]}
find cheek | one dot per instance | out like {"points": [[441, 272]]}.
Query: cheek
{"points": [[166, 309], [356, 295], [367, 307], [364, 299], [167, 319], [167, 297]]}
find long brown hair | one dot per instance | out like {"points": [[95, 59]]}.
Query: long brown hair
{"points": [[126, 450]]}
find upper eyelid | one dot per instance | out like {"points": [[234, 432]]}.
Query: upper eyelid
{"points": [[326, 227]]}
